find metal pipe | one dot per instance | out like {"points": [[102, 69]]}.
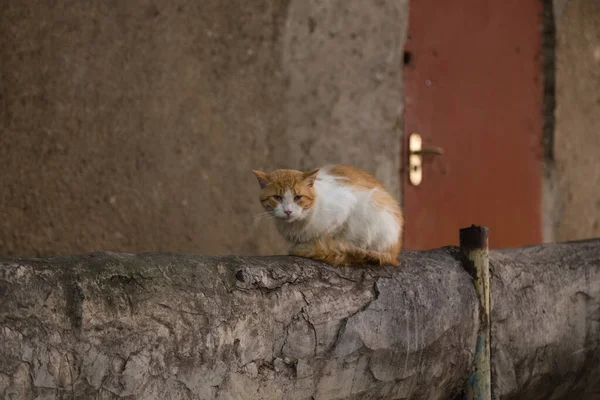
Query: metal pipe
{"points": [[475, 253]]}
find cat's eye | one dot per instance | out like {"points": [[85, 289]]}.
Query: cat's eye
{"points": [[277, 197], [297, 197]]}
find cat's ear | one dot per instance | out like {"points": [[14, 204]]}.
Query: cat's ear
{"points": [[310, 176], [263, 178]]}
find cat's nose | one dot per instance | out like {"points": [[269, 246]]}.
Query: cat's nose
{"points": [[288, 212]]}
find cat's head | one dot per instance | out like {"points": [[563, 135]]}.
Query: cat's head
{"points": [[287, 194]]}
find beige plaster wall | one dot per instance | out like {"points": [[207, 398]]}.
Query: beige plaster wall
{"points": [[577, 133], [133, 126]]}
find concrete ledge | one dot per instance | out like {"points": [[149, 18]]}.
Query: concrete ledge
{"points": [[546, 321], [180, 326]]}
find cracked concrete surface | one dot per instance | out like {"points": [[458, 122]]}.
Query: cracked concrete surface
{"points": [[546, 321], [181, 326], [178, 326]]}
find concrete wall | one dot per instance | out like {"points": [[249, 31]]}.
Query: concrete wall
{"points": [[115, 326], [576, 190], [133, 126]]}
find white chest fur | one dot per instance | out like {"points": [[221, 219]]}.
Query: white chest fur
{"points": [[347, 213]]}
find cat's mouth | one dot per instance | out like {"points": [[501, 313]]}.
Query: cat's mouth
{"points": [[288, 218]]}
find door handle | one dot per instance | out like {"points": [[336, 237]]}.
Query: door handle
{"points": [[415, 157]]}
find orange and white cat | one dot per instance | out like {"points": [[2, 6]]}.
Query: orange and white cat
{"points": [[338, 214]]}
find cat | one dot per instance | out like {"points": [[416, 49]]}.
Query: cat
{"points": [[337, 214]]}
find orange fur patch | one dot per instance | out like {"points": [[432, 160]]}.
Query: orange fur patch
{"points": [[357, 177], [277, 182], [337, 252], [329, 249], [363, 180]]}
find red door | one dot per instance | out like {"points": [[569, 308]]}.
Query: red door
{"points": [[473, 87]]}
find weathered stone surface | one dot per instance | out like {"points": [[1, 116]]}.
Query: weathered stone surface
{"points": [[546, 321], [181, 326], [177, 326]]}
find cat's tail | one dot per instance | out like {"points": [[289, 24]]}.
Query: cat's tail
{"points": [[342, 253]]}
